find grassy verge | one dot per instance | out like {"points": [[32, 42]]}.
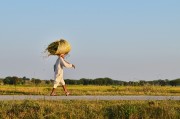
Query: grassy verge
{"points": [[91, 90], [62, 109]]}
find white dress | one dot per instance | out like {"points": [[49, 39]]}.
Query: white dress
{"points": [[58, 71]]}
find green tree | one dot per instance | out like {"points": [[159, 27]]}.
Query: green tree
{"points": [[36, 81], [13, 80], [175, 82], [47, 82]]}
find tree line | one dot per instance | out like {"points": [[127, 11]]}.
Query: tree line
{"points": [[14, 80]]}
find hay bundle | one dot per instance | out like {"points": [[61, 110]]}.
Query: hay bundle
{"points": [[59, 47]]}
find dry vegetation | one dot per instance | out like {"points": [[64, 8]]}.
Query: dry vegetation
{"points": [[91, 90], [42, 109]]}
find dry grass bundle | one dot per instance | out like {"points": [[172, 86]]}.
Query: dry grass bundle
{"points": [[59, 47]]}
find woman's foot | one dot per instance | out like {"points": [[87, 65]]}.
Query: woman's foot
{"points": [[53, 94], [67, 93]]}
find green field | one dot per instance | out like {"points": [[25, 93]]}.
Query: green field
{"points": [[91, 90], [64, 109]]}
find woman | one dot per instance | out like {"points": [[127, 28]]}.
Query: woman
{"points": [[60, 48]]}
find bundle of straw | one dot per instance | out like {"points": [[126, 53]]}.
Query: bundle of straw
{"points": [[59, 47]]}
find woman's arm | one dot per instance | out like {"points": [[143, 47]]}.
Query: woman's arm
{"points": [[65, 64]]}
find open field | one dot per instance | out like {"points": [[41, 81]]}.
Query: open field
{"points": [[91, 90], [79, 109]]}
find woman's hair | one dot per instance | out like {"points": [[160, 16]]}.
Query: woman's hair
{"points": [[59, 47]]}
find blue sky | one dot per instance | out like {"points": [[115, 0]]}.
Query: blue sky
{"points": [[123, 40]]}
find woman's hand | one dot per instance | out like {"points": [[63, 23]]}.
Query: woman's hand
{"points": [[73, 66]]}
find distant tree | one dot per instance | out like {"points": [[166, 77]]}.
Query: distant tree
{"points": [[108, 81], [161, 82], [24, 78], [52, 81], [71, 82], [7, 80], [167, 81], [13, 80], [17, 81], [142, 82], [47, 82], [133, 83], [98, 81], [85, 81], [36, 81], [79, 82], [125, 84], [175, 82], [117, 82]]}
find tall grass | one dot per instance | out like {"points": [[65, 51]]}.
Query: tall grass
{"points": [[92, 90], [62, 109]]}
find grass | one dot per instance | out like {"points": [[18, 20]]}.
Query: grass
{"points": [[91, 90], [83, 109], [64, 109]]}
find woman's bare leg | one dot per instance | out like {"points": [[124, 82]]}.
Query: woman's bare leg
{"points": [[65, 90], [53, 92]]}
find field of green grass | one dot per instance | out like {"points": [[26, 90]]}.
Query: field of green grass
{"points": [[91, 90], [65, 109]]}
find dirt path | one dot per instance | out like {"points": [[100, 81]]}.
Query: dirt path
{"points": [[41, 97]]}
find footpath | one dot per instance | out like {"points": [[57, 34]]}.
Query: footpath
{"points": [[45, 97]]}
